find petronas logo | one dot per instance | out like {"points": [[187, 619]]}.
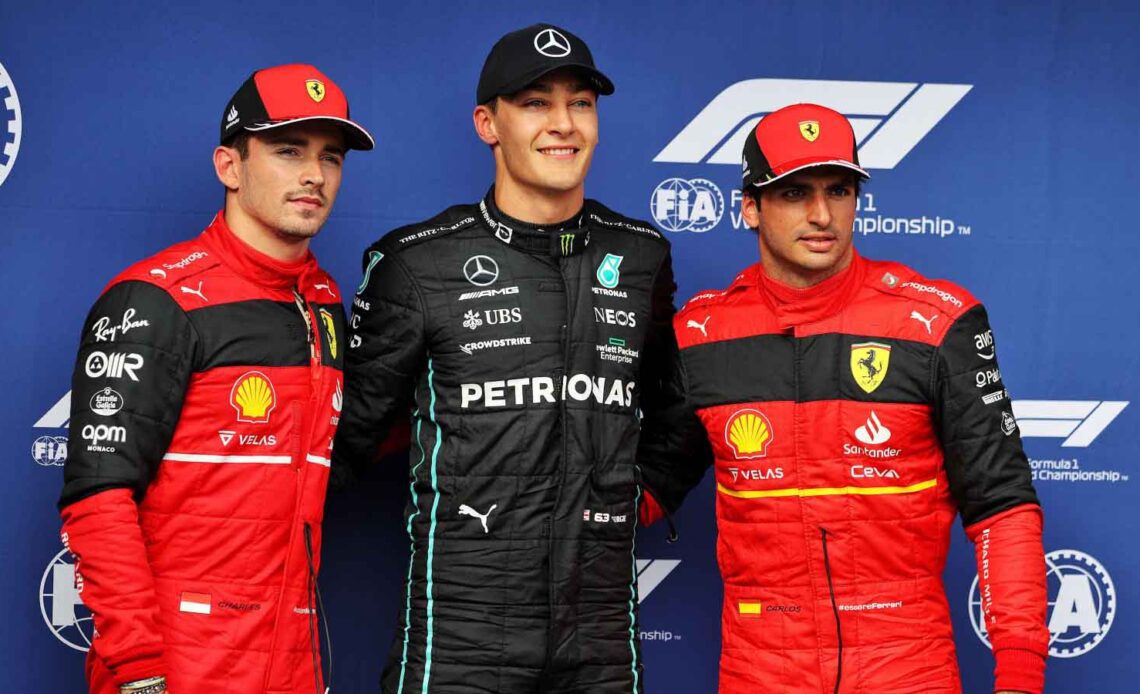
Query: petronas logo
{"points": [[373, 258]]}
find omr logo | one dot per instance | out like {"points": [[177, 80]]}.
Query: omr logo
{"points": [[1082, 604], [62, 608], [889, 118], [650, 574], [13, 121]]}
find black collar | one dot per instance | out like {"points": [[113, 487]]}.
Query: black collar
{"points": [[561, 239]]}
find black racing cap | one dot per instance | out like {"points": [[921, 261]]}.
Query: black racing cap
{"points": [[521, 57]]}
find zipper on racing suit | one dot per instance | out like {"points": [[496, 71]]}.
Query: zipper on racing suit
{"points": [[834, 609]]}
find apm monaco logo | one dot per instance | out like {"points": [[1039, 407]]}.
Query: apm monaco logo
{"points": [[889, 118], [695, 205], [13, 120], [1082, 603], [62, 608]]}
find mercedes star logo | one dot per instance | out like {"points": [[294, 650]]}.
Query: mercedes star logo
{"points": [[481, 270], [552, 44]]}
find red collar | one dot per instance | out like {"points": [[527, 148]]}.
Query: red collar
{"points": [[253, 264], [795, 307]]}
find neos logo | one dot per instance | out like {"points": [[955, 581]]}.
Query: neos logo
{"points": [[62, 608], [1082, 603], [695, 205], [13, 120], [889, 118]]}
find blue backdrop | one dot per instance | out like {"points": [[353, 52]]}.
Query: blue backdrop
{"points": [[1001, 137]]}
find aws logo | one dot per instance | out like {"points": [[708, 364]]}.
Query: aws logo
{"points": [[1082, 603]]}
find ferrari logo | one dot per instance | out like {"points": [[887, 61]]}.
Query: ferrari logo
{"points": [[809, 129], [330, 328], [316, 90], [869, 363]]}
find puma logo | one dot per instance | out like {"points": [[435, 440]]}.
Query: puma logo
{"points": [[699, 326], [465, 510], [924, 320], [196, 292]]}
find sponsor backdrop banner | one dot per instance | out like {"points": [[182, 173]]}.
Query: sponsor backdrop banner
{"points": [[1002, 142]]}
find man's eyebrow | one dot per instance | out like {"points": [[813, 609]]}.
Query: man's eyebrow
{"points": [[286, 139]]}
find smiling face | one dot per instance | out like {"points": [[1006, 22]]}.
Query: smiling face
{"points": [[543, 138], [284, 188], [804, 222]]}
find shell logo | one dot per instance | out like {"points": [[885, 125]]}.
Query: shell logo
{"points": [[748, 433], [253, 397]]}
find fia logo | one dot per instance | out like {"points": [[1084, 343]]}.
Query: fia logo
{"points": [[1082, 604], [61, 606], [695, 205], [13, 119]]}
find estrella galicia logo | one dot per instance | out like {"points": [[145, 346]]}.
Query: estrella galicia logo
{"points": [[62, 608], [608, 273], [1082, 603], [695, 205], [373, 258], [13, 120], [902, 113]]}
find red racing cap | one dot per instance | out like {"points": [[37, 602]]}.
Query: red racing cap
{"points": [[796, 137], [285, 94]]}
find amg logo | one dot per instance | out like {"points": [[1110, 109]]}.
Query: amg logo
{"points": [[487, 293]]}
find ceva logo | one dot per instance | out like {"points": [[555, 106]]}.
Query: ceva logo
{"points": [[889, 118]]}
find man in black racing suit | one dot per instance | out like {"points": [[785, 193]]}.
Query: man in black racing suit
{"points": [[526, 351]]}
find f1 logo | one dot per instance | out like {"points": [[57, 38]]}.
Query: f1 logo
{"points": [[650, 574], [889, 118]]}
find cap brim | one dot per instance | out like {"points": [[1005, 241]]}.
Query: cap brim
{"points": [[356, 137], [823, 162], [601, 84]]}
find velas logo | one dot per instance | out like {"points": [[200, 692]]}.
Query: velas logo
{"points": [[330, 331], [13, 121], [608, 273], [61, 605], [1081, 600], [748, 433], [869, 364], [889, 118], [253, 397], [552, 43], [315, 90], [695, 205]]}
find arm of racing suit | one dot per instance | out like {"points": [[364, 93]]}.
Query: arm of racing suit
{"points": [[673, 451], [134, 363], [990, 479], [386, 355]]}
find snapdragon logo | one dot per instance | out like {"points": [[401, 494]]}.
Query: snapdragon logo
{"points": [[1082, 602], [889, 118], [13, 124]]}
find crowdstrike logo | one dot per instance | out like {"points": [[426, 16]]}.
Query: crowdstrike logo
{"points": [[14, 122], [651, 573], [1081, 600], [889, 118]]}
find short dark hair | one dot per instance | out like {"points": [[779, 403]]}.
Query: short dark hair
{"points": [[754, 191], [240, 142]]}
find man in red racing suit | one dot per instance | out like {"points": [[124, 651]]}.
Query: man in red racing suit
{"points": [[853, 406], [204, 402]]}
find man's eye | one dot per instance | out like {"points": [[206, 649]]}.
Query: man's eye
{"points": [[287, 150]]}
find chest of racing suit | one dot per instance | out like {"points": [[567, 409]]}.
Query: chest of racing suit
{"points": [[849, 423], [204, 402], [524, 355]]}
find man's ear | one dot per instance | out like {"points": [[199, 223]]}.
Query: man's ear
{"points": [[750, 211], [227, 165], [484, 121]]}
